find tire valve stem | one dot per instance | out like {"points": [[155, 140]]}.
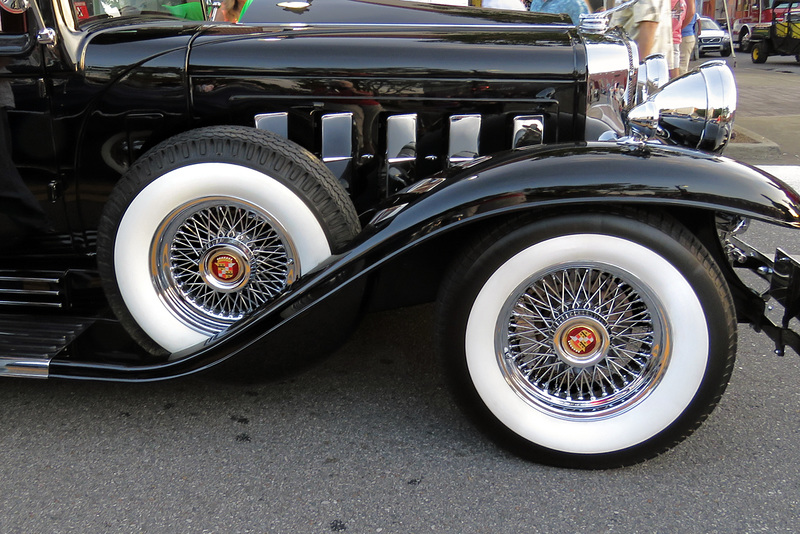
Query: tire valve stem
{"points": [[290, 272]]}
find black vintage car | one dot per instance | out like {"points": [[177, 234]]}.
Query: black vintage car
{"points": [[781, 37], [190, 195]]}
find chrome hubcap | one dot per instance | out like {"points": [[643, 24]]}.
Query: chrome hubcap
{"points": [[580, 341], [584, 341], [216, 259], [226, 267]]}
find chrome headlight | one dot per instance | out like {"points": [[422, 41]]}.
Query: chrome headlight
{"points": [[653, 74], [695, 110]]}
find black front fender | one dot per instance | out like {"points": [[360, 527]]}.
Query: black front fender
{"points": [[602, 174], [523, 181]]}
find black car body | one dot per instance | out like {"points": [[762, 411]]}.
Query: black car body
{"points": [[190, 195], [781, 37]]}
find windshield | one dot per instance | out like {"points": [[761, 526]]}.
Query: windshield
{"points": [[708, 24], [93, 9]]}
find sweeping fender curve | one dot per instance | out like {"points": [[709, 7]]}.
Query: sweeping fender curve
{"points": [[515, 181]]}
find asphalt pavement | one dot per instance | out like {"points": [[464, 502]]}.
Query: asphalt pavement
{"points": [[370, 441]]}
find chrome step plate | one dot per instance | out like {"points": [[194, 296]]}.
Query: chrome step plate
{"points": [[28, 343]]}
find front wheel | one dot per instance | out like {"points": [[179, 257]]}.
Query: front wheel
{"points": [[589, 340], [759, 52]]}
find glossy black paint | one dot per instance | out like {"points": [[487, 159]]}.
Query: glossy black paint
{"points": [[525, 183], [439, 72]]}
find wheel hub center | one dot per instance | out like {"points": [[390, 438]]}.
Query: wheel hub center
{"points": [[581, 341], [225, 267]]}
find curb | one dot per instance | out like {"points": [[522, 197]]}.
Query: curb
{"points": [[762, 149]]}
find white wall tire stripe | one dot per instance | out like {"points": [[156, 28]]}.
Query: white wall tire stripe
{"points": [[688, 347], [157, 200]]}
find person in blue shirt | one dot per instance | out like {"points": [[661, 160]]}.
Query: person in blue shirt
{"points": [[573, 8]]}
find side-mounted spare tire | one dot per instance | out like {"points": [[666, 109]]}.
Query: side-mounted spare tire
{"points": [[211, 224]]}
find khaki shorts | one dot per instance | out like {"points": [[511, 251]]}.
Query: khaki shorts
{"points": [[686, 47]]}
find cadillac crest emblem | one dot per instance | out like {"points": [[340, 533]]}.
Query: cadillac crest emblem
{"points": [[581, 340]]}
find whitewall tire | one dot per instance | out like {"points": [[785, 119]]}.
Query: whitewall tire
{"points": [[211, 225], [590, 340]]}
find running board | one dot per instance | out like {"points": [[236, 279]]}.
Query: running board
{"points": [[28, 343]]}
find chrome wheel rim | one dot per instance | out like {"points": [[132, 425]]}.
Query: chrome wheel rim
{"points": [[216, 259], [582, 341]]}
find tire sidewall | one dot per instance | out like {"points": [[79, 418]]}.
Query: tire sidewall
{"points": [[694, 378]]}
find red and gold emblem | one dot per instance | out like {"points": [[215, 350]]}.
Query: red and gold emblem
{"points": [[581, 340], [225, 267]]}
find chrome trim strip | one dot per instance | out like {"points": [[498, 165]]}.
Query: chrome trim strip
{"points": [[24, 367], [465, 133], [401, 150], [416, 26], [337, 143], [29, 292], [277, 123], [29, 279], [528, 130], [401, 138], [32, 304]]}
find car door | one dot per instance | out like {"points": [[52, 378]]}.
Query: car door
{"points": [[30, 209]]}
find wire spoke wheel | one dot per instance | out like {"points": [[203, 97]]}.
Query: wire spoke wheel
{"points": [[587, 340], [581, 342], [218, 259]]}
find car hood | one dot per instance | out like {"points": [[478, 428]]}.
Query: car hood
{"points": [[392, 39], [713, 33], [385, 12], [111, 48]]}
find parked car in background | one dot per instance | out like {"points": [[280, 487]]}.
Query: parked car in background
{"points": [[712, 38], [779, 38], [190, 195]]}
